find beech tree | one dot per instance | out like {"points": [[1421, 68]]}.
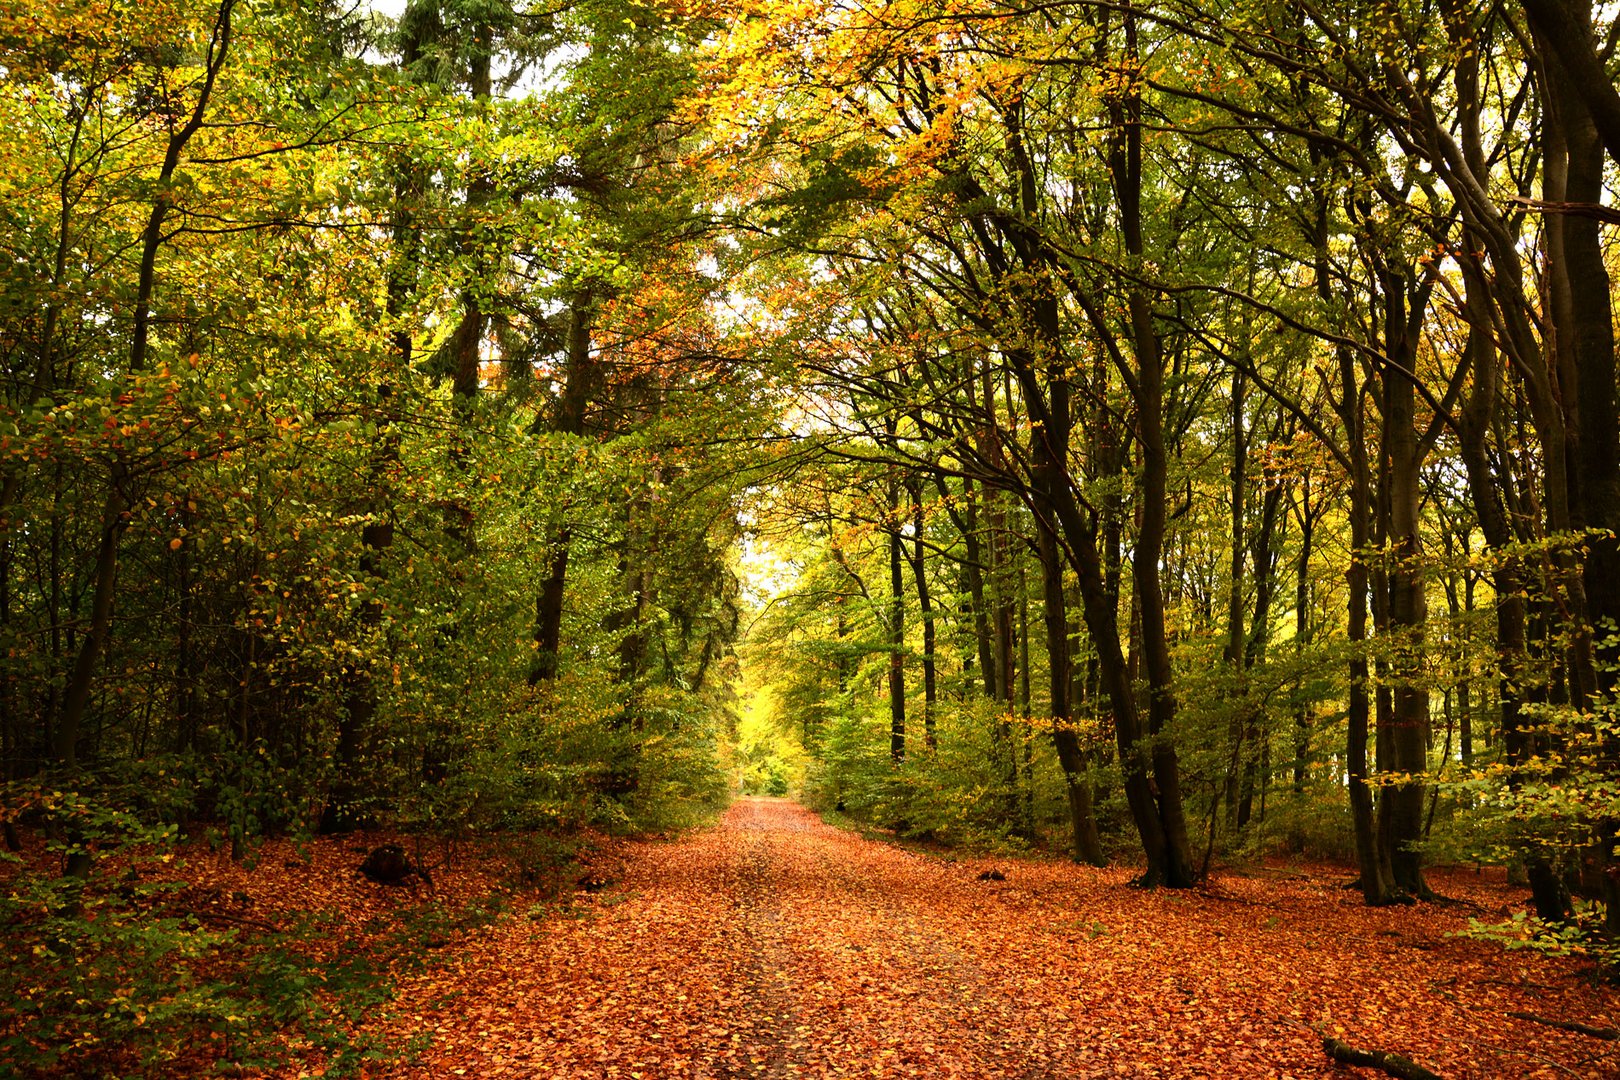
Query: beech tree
{"points": [[1168, 432], [1024, 191]]}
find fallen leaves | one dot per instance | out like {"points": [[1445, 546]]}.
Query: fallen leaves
{"points": [[776, 946]]}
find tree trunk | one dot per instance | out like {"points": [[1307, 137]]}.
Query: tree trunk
{"points": [[1263, 560], [115, 506], [377, 534], [1304, 626], [925, 612], [575, 399], [1564, 29], [973, 571], [1376, 888], [897, 620], [1548, 891], [1087, 843], [1237, 722], [1587, 333], [1401, 806], [1126, 169], [1027, 816]]}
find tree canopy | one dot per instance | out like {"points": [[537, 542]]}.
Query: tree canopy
{"points": [[1171, 432]]}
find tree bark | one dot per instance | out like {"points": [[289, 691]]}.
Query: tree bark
{"points": [[577, 393], [377, 534], [1565, 29], [1304, 626], [897, 618], [1125, 161], [1237, 722], [974, 572], [925, 613], [1085, 839], [1401, 806]]}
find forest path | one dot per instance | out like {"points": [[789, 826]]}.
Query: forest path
{"points": [[775, 945]]}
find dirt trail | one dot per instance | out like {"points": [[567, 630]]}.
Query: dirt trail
{"points": [[777, 946]]}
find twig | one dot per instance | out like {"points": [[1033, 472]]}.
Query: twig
{"points": [[1549, 1062], [1611, 1034]]}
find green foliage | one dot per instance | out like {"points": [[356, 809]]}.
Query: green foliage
{"points": [[851, 767], [293, 987], [312, 532], [769, 759], [95, 970], [269, 558], [1560, 804], [675, 753], [379, 421], [961, 791], [121, 976], [1584, 936], [957, 793]]}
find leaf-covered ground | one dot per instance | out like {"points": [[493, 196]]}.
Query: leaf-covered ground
{"points": [[774, 945]]}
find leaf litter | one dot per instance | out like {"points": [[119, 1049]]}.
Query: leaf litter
{"points": [[774, 945]]}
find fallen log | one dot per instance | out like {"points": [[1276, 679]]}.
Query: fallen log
{"points": [[1611, 1034], [1393, 1064]]}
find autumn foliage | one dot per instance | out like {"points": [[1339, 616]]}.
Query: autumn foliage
{"points": [[437, 443]]}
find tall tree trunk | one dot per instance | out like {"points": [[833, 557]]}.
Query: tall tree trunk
{"points": [[1459, 590], [998, 588], [1579, 344], [1401, 806], [1564, 30], [1500, 311], [1586, 331], [897, 617], [185, 657], [925, 612], [1263, 559], [1025, 712], [973, 571], [1304, 626], [1087, 843], [77, 695], [1125, 160], [1548, 891], [1237, 723], [1376, 888], [116, 508], [577, 393], [1037, 360], [976, 548], [467, 340], [377, 534]]}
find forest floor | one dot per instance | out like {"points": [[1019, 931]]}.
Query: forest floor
{"points": [[774, 945]]}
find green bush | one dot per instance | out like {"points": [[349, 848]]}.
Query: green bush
{"points": [[113, 975]]}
